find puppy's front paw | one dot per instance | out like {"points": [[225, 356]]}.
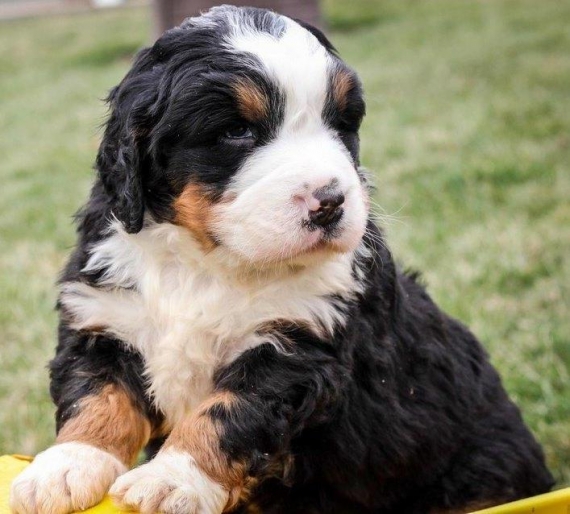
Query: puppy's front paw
{"points": [[64, 478], [171, 483]]}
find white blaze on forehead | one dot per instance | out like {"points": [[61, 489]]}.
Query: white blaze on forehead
{"points": [[298, 64]]}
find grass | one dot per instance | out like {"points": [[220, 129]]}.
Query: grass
{"points": [[467, 136]]}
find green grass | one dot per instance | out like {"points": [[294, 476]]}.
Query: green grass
{"points": [[467, 136]]}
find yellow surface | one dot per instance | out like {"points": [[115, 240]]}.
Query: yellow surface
{"points": [[557, 502], [12, 465]]}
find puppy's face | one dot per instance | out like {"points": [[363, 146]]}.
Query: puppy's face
{"points": [[248, 136]]}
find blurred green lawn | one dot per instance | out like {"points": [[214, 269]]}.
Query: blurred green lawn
{"points": [[467, 134]]}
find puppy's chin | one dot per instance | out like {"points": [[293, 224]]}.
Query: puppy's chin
{"points": [[321, 252], [305, 249]]}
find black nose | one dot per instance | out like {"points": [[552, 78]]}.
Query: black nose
{"points": [[330, 210]]}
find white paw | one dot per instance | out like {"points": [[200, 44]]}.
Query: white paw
{"points": [[171, 483], [64, 478]]}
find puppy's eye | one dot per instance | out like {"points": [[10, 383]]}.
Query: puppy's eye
{"points": [[240, 131]]}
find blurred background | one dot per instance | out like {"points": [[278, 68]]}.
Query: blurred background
{"points": [[467, 136]]}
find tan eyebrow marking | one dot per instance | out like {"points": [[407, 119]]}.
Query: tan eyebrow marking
{"points": [[342, 84], [253, 103]]}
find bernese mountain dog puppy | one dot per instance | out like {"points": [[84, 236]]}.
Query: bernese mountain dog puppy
{"points": [[231, 307]]}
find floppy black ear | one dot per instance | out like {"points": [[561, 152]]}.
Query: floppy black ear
{"points": [[122, 155]]}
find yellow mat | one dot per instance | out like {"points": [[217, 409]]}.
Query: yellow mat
{"points": [[12, 465], [557, 502]]}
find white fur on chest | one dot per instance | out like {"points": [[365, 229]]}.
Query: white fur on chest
{"points": [[186, 313]]}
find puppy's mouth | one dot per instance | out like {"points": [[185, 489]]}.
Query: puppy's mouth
{"points": [[318, 239], [328, 230]]}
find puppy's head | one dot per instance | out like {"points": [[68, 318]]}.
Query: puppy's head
{"points": [[242, 126]]}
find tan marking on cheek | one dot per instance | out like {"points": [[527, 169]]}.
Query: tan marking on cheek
{"points": [[253, 104], [109, 421], [194, 211], [200, 436], [342, 83]]}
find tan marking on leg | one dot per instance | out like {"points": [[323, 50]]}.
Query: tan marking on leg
{"points": [[342, 83], [200, 435], [108, 421], [252, 101], [225, 398], [194, 211]]}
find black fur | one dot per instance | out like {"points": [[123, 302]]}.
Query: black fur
{"points": [[400, 413]]}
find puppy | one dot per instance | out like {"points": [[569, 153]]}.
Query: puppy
{"points": [[231, 306]]}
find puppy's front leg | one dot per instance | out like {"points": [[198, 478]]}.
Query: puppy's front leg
{"points": [[239, 436], [191, 474], [92, 448]]}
